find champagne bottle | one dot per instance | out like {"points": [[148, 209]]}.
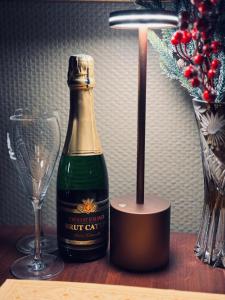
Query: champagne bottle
{"points": [[82, 183]]}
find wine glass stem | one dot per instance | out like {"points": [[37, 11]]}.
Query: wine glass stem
{"points": [[37, 216], [41, 225]]}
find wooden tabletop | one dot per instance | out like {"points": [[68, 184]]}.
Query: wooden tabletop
{"points": [[185, 271]]}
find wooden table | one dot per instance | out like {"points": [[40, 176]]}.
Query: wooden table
{"points": [[185, 272]]}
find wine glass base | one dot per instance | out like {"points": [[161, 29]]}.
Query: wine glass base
{"points": [[23, 268], [25, 245]]}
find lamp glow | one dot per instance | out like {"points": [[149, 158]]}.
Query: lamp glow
{"points": [[133, 19]]}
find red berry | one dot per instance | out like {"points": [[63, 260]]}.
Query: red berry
{"points": [[211, 73], [215, 64], [186, 37], [203, 8], [174, 41], [178, 35], [195, 34], [188, 71], [198, 59], [196, 2], [195, 82], [214, 2], [208, 96], [204, 35], [206, 50], [215, 46]]}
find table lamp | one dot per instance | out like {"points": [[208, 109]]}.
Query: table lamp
{"points": [[140, 231]]}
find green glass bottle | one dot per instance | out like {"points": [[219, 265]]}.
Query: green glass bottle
{"points": [[82, 183]]}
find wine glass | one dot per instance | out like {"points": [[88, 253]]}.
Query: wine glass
{"points": [[33, 141]]}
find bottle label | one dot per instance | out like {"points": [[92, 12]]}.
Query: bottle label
{"points": [[84, 223]]}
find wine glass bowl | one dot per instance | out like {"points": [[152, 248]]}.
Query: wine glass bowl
{"points": [[33, 141], [33, 144]]}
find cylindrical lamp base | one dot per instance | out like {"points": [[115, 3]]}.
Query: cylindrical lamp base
{"points": [[139, 233]]}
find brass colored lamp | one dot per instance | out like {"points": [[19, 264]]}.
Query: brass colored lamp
{"points": [[140, 231]]}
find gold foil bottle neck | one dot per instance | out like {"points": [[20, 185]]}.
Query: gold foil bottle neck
{"points": [[81, 71]]}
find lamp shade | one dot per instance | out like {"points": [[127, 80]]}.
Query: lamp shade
{"points": [[133, 19]]}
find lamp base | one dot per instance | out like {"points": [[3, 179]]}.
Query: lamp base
{"points": [[139, 233]]}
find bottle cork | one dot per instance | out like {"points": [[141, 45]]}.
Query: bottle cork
{"points": [[81, 71]]}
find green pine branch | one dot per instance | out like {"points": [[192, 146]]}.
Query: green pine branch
{"points": [[168, 61], [220, 87]]}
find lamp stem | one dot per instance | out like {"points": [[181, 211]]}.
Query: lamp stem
{"points": [[141, 115]]}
